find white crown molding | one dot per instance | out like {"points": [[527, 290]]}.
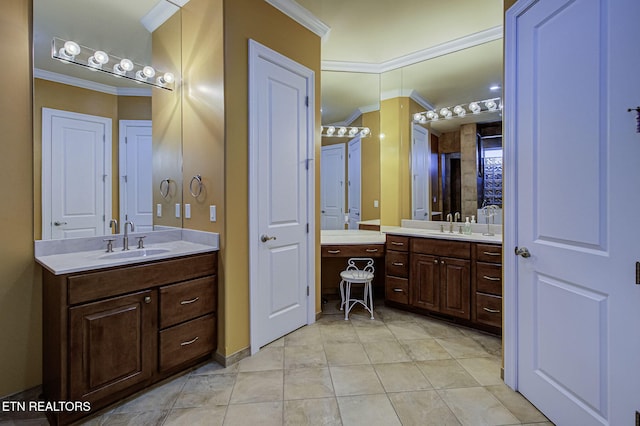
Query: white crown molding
{"points": [[445, 48], [90, 85], [369, 108], [302, 16], [159, 14], [421, 101], [347, 121]]}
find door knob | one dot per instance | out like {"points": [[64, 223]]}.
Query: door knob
{"points": [[522, 251], [58, 223], [264, 238]]}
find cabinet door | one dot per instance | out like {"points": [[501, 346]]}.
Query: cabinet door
{"points": [[112, 345], [455, 287], [424, 282]]}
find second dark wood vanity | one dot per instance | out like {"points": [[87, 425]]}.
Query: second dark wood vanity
{"points": [[111, 332]]}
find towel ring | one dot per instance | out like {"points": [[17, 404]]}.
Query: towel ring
{"points": [[198, 190], [165, 193]]}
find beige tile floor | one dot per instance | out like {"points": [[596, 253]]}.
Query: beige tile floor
{"points": [[399, 369]]}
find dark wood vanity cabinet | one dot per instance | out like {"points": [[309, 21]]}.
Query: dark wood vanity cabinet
{"points": [[112, 332], [456, 279]]}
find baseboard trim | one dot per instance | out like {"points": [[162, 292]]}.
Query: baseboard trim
{"points": [[233, 358]]}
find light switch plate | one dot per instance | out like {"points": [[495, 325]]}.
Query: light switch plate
{"points": [[159, 210], [177, 209], [375, 203], [212, 213], [187, 211]]}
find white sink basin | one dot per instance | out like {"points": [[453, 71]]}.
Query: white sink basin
{"points": [[135, 253]]}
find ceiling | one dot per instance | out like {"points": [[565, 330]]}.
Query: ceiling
{"points": [[442, 52]]}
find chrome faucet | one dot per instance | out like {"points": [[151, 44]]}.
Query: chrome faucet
{"points": [[456, 217], [450, 220], [125, 240], [114, 224]]}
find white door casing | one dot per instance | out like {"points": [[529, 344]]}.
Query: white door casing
{"points": [[571, 308], [281, 195], [136, 182], [354, 171], [76, 174], [420, 154], [332, 187]]}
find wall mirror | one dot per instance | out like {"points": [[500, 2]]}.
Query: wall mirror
{"points": [[350, 165], [81, 184]]}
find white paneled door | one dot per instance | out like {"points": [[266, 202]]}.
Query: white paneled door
{"points": [[332, 188], [420, 172], [136, 198], [571, 244], [76, 174], [281, 194], [354, 171]]}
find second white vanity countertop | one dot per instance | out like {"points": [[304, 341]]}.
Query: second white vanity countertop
{"points": [[81, 254], [350, 236]]}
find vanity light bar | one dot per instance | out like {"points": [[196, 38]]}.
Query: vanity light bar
{"points": [[70, 52], [459, 111], [345, 131]]}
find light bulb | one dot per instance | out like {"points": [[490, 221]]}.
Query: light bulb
{"points": [[145, 73], [353, 131], [365, 131], [166, 78], [122, 67], [474, 107], [342, 131], [331, 130], [69, 50], [417, 116], [98, 59], [445, 112], [491, 105], [459, 111]]}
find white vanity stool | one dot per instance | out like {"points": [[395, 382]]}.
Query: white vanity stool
{"points": [[357, 275]]}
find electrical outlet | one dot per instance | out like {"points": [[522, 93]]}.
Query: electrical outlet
{"points": [[212, 213], [187, 211], [177, 209], [159, 210], [375, 203]]}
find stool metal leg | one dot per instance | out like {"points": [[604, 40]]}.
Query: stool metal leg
{"points": [[347, 305], [342, 301], [370, 287]]}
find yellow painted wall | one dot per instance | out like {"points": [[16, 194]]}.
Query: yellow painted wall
{"points": [[257, 20], [371, 167], [20, 278], [390, 197]]}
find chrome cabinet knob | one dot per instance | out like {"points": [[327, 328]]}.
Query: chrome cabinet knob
{"points": [[147, 299], [264, 238], [522, 251]]}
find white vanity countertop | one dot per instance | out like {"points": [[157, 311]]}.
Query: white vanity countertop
{"points": [[475, 237], [59, 256], [351, 236]]}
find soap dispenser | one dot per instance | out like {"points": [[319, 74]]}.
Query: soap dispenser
{"points": [[473, 219], [467, 226]]}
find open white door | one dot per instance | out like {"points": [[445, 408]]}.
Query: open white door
{"points": [[281, 195], [136, 198], [76, 174], [332, 188], [354, 171], [572, 153], [420, 153]]}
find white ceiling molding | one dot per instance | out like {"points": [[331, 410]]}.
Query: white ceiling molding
{"points": [[346, 122], [369, 108], [421, 101], [302, 16], [90, 85], [445, 48], [159, 14]]}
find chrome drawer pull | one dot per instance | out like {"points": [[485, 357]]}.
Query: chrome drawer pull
{"points": [[371, 250], [397, 290], [193, 341], [395, 243], [398, 264], [492, 311], [333, 251], [490, 253], [490, 278], [186, 302]]}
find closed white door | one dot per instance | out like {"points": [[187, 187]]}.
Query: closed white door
{"points": [[420, 172], [76, 174], [281, 193], [354, 170], [136, 198], [332, 188], [572, 73]]}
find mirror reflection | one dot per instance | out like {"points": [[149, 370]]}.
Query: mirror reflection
{"points": [[102, 144]]}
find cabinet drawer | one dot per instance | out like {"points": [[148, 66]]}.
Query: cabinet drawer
{"points": [[353, 250], [489, 253], [489, 309], [397, 290], [186, 341], [187, 300], [397, 243], [437, 247], [489, 278], [397, 264]]}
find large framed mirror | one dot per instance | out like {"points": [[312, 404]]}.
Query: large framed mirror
{"points": [[106, 149]]}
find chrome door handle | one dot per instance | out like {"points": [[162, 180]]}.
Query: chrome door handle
{"points": [[58, 223], [522, 251], [264, 238]]}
